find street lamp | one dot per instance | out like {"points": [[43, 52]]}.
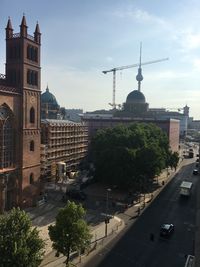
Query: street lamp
{"points": [[107, 219]]}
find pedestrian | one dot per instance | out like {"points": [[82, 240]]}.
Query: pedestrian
{"points": [[138, 211]]}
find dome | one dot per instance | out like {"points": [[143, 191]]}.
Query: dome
{"points": [[135, 97], [48, 98]]}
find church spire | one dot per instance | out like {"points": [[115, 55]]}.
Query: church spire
{"points": [[37, 34], [23, 27], [9, 29]]}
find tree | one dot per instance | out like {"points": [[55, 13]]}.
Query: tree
{"points": [[70, 232], [124, 154], [20, 245], [173, 160]]}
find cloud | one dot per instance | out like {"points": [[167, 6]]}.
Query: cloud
{"points": [[188, 39], [139, 15]]}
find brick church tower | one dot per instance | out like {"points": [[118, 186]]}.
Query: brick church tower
{"points": [[20, 100]]}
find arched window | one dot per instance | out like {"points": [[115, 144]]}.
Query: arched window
{"points": [[31, 178], [32, 146], [32, 115], [7, 137]]}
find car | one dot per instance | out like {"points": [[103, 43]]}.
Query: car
{"points": [[166, 230], [76, 194], [195, 172]]}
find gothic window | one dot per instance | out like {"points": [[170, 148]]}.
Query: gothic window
{"points": [[32, 53], [6, 137], [32, 115], [35, 78], [32, 146], [32, 77], [28, 52], [31, 178]]}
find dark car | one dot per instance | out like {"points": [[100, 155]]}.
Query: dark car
{"points": [[76, 194], [195, 172], [166, 230]]}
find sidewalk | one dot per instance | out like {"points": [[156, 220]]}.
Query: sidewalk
{"points": [[98, 237]]}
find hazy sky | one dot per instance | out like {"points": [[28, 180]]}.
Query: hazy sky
{"points": [[81, 38]]}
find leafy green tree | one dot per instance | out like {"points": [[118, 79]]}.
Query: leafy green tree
{"points": [[173, 160], [70, 232], [20, 245], [127, 155]]}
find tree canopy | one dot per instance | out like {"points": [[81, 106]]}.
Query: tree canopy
{"points": [[127, 155], [20, 245], [70, 232]]}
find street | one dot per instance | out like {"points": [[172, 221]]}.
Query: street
{"points": [[133, 247]]}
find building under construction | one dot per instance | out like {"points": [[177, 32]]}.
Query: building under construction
{"points": [[62, 141]]}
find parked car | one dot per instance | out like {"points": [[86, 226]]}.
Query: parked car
{"points": [[166, 230], [195, 172], [76, 194]]}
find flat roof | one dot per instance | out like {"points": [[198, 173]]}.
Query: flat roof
{"points": [[186, 184]]}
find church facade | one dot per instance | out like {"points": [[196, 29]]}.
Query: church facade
{"points": [[20, 119]]}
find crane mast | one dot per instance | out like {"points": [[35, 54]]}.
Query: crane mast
{"points": [[139, 76]]}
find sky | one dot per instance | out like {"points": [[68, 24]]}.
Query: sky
{"points": [[81, 38]]}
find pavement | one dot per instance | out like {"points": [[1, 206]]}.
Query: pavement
{"points": [[45, 214]]}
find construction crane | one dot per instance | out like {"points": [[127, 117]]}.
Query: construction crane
{"points": [[139, 76]]}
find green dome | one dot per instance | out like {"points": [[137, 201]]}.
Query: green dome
{"points": [[135, 97], [49, 98]]}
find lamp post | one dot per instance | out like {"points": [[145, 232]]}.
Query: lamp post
{"points": [[107, 219]]}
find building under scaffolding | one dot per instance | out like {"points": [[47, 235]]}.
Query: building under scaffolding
{"points": [[62, 141]]}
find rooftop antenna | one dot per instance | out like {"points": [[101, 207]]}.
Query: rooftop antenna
{"points": [[139, 76]]}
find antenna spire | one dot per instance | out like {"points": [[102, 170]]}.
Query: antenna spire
{"points": [[139, 76]]}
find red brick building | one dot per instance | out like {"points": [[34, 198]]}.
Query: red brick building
{"points": [[169, 126], [20, 118]]}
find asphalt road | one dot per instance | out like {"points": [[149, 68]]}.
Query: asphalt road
{"points": [[133, 247]]}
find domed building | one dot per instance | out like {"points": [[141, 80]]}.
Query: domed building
{"points": [[49, 106], [135, 104]]}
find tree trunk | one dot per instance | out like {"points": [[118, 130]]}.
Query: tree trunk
{"points": [[67, 260]]}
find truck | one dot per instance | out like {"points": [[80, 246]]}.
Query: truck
{"points": [[185, 188]]}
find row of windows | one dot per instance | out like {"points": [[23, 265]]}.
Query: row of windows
{"points": [[32, 53], [14, 52], [32, 77]]}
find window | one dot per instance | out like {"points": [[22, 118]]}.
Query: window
{"points": [[32, 115], [32, 53], [31, 178], [7, 137], [32, 146], [32, 77]]}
